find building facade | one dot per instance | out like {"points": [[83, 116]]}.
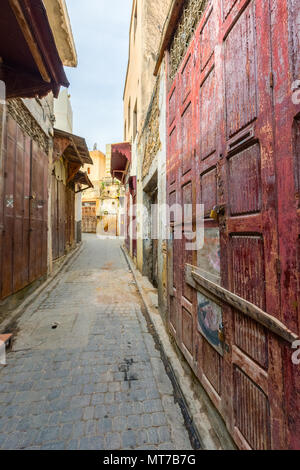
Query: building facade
{"points": [[217, 128], [232, 146], [101, 204], [139, 102], [31, 156]]}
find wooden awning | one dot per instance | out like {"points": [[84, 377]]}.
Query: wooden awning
{"points": [[82, 178], [29, 61], [72, 147], [120, 160]]}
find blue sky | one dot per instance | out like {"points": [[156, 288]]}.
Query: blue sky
{"points": [[101, 31]]}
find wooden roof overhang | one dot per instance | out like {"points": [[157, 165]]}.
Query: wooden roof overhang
{"points": [[29, 61], [74, 150], [120, 160], [82, 178]]}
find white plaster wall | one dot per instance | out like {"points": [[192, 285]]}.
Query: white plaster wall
{"points": [[63, 111]]}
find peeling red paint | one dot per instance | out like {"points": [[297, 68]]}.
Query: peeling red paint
{"points": [[233, 137]]}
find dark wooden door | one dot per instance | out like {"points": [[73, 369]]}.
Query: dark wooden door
{"points": [[38, 213], [89, 219], [24, 206], [285, 18], [70, 218], [58, 218], [227, 104], [134, 226], [54, 217]]}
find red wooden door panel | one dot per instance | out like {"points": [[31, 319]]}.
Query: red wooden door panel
{"points": [[61, 217], [2, 160], [38, 213], [24, 205], [54, 217], [8, 209], [134, 227], [285, 18], [233, 139]]}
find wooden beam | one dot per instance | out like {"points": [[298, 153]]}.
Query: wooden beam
{"points": [[195, 279], [34, 49], [77, 152]]}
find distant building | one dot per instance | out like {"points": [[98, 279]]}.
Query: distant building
{"points": [[101, 204]]}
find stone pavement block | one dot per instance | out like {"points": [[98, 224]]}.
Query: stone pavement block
{"points": [[48, 434], [153, 436], [164, 434], [91, 428], [159, 419], [72, 445], [81, 401], [129, 440], [151, 406], [66, 431], [113, 441], [92, 443], [119, 423], [134, 421], [54, 446], [104, 425], [88, 413]]}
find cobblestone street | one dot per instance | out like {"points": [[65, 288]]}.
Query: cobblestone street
{"points": [[84, 372]]}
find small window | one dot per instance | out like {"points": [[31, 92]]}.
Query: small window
{"points": [[129, 115], [135, 20], [135, 120]]}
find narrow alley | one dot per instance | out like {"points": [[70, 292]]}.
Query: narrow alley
{"points": [[80, 374], [150, 226]]}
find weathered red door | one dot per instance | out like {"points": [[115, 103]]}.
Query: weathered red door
{"points": [[286, 55], [223, 151], [70, 218], [58, 217], [24, 208], [134, 227], [38, 213], [127, 220]]}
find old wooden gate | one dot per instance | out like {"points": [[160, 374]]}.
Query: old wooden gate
{"points": [[89, 219], [58, 218], [70, 218], [23, 211], [233, 145]]}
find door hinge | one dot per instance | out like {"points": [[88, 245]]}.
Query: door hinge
{"points": [[271, 80]]}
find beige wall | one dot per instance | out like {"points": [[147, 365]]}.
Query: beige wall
{"points": [[97, 171], [148, 17], [147, 21], [105, 193]]}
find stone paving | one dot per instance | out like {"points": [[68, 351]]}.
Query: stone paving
{"points": [[84, 372]]}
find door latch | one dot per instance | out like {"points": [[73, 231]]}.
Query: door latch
{"points": [[221, 333]]}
